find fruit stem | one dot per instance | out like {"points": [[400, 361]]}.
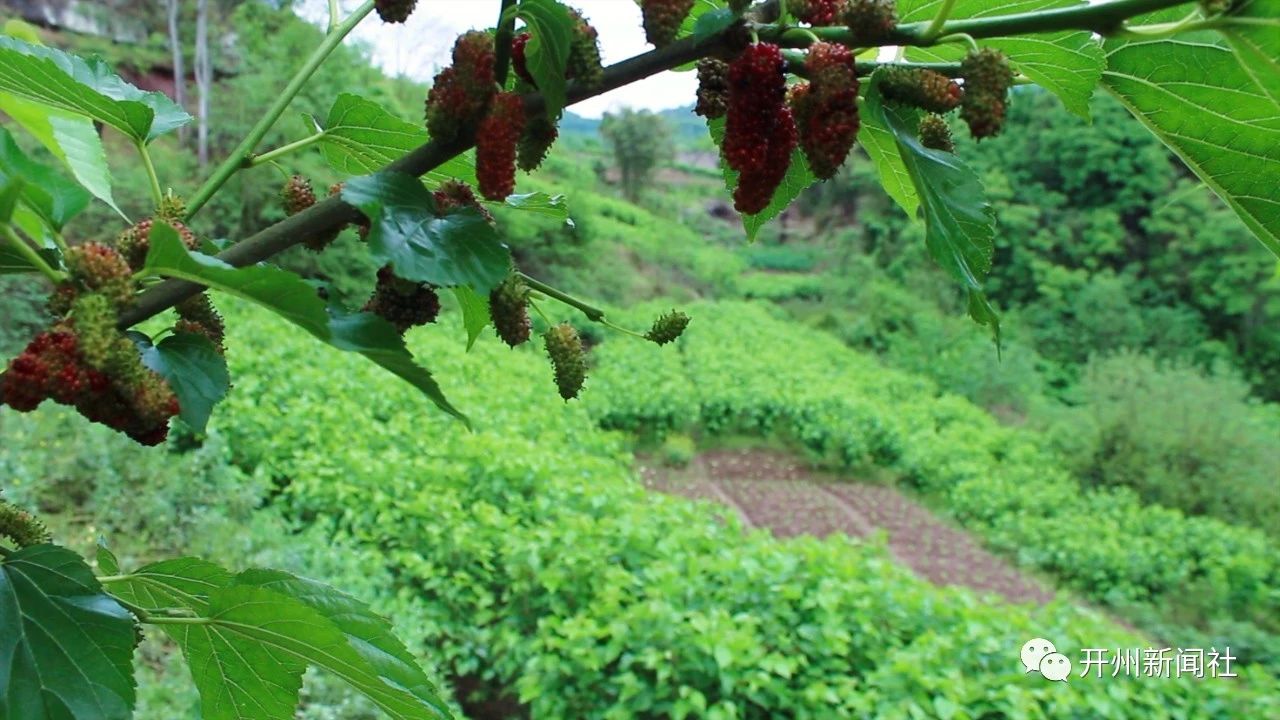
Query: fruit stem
{"points": [[944, 14], [236, 159], [334, 12], [502, 42], [266, 157], [959, 38], [31, 256], [593, 314], [157, 195]]}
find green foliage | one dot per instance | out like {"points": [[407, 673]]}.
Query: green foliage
{"points": [[194, 369], [60, 628], [1226, 144], [1179, 437], [552, 572]]}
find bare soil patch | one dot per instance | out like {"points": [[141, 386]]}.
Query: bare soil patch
{"points": [[773, 490]]}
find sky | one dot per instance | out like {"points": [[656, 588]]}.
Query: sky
{"points": [[420, 47]]}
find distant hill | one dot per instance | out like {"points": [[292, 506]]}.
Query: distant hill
{"points": [[687, 128]]}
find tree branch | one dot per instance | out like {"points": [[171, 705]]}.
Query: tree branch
{"points": [[1103, 18], [332, 214]]}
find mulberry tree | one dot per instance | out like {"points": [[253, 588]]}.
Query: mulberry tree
{"points": [[787, 90]]}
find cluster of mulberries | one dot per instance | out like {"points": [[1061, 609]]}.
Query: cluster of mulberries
{"points": [[403, 303], [197, 315], [394, 11], [925, 89], [935, 134], [21, 526], [668, 327], [760, 131], [713, 88], [987, 79], [461, 92], [496, 141], [509, 310], [87, 364], [662, 19], [568, 359], [826, 108], [870, 20], [816, 12]]}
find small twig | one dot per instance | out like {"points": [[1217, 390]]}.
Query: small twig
{"points": [[944, 14], [593, 314], [30, 255], [502, 41], [270, 155], [157, 195]]}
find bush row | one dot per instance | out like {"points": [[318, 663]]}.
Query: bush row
{"points": [[545, 570], [747, 371]]}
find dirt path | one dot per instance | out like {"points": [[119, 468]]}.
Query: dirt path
{"points": [[773, 490]]}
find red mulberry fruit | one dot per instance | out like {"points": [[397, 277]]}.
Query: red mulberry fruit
{"points": [[826, 109], [756, 187], [568, 359], [987, 79], [394, 11], [935, 134], [454, 194], [870, 20], [509, 310], [518, 60], [297, 195], [403, 303], [816, 12], [461, 92], [713, 88], [757, 91], [925, 89], [668, 327], [496, 141], [662, 19]]}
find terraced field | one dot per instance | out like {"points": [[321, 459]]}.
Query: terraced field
{"points": [[774, 491]]}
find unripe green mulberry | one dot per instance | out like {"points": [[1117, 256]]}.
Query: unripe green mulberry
{"points": [[584, 65], [668, 327], [987, 79], [394, 11], [870, 20], [713, 88], [925, 89], [509, 310], [98, 268], [172, 207], [539, 135], [662, 19], [935, 134], [21, 526], [564, 347]]}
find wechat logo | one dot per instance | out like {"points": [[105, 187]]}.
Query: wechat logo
{"points": [[1040, 656]]}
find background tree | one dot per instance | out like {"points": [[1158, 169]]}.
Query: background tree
{"points": [[638, 139]]}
